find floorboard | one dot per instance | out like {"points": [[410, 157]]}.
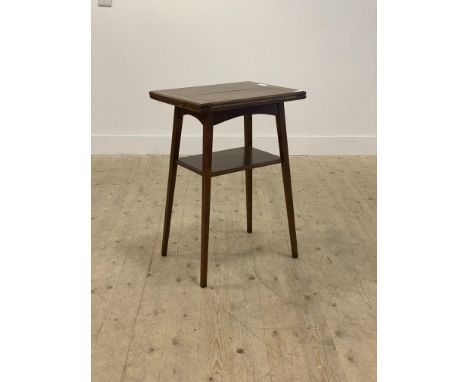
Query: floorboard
{"points": [[264, 316]]}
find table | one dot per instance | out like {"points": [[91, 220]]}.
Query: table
{"points": [[214, 104]]}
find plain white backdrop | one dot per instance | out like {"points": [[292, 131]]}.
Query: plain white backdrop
{"points": [[422, 190], [45, 221], [327, 48]]}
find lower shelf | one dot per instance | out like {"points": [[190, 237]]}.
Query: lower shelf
{"points": [[232, 160]]}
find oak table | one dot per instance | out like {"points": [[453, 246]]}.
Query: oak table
{"points": [[212, 105]]}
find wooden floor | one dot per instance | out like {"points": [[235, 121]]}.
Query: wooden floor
{"points": [[264, 316]]}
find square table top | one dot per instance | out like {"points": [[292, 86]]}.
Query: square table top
{"points": [[226, 96]]}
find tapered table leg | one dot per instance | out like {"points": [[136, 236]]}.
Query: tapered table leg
{"points": [[206, 196], [248, 172], [284, 154], [175, 145]]}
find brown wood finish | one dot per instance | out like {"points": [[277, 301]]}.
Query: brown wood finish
{"points": [[284, 154], [212, 105], [232, 160], [225, 115], [175, 145], [206, 196], [248, 171], [226, 96]]}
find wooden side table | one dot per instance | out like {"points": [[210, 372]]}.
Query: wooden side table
{"points": [[212, 105]]}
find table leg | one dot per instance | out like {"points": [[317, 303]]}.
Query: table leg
{"points": [[248, 172], [175, 145], [284, 154], [206, 196]]}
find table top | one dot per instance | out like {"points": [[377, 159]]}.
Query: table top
{"points": [[226, 96]]}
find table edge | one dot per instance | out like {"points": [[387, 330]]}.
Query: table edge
{"points": [[219, 106]]}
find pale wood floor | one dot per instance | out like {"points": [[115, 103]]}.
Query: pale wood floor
{"points": [[264, 316]]}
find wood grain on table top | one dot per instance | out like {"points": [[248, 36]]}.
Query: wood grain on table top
{"points": [[226, 96]]}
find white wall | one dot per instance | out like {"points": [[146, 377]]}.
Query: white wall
{"points": [[327, 47]]}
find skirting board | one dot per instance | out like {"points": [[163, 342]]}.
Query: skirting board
{"points": [[298, 145]]}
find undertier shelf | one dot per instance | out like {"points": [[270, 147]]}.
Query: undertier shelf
{"points": [[232, 160]]}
